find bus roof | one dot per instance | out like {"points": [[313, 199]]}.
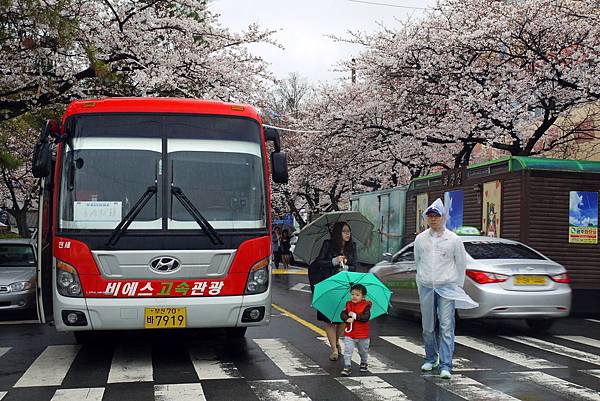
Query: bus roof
{"points": [[160, 105]]}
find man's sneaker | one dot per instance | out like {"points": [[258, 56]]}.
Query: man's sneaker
{"points": [[445, 374], [428, 366], [364, 367], [346, 372]]}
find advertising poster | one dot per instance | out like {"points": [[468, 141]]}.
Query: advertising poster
{"points": [[422, 203], [583, 217], [453, 202], [492, 197]]}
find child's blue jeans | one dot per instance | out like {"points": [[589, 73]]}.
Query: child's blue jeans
{"points": [[362, 344]]}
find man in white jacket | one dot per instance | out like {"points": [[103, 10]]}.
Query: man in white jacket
{"points": [[441, 263]]}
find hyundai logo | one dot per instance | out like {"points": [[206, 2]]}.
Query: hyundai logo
{"points": [[165, 265]]}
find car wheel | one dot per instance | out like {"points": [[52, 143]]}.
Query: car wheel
{"points": [[539, 325], [235, 332]]}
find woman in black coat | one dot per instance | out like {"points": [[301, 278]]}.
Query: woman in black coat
{"points": [[337, 254]]}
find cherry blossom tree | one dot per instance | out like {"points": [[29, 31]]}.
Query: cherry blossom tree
{"points": [[480, 72], [55, 51], [18, 187]]}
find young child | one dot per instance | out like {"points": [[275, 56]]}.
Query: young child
{"points": [[356, 315]]}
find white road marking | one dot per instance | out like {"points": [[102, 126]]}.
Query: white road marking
{"points": [[131, 363], [208, 366], [505, 353], [288, 358], [50, 368], [593, 320], [592, 342], [470, 390], [179, 392], [79, 394], [372, 388], [301, 287], [4, 350], [564, 388], [2, 394], [459, 364], [377, 362], [277, 390], [556, 348], [593, 372]]}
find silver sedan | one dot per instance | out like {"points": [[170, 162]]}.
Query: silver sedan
{"points": [[17, 274], [507, 279]]}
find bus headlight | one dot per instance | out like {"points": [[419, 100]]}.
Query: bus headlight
{"points": [[67, 280], [258, 278]]}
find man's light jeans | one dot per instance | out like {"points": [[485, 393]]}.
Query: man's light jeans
{"points": [[430, 303]]}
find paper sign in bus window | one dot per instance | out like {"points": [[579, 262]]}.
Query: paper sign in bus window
{"points": [[97, 211]]}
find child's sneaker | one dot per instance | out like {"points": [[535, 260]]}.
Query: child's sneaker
{"points": [[346, 372], [364, 367]]}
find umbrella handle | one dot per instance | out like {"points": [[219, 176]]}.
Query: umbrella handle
{"points": [[346, 329]]}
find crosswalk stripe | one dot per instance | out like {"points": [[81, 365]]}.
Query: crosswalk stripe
{"points": [[288, 358], [470, 390], [131, 363], [593, 372], [4, 350], [50, 368], [277, 390], [592, 342], [505, 353], [460, 364], [372, 388], [556, 348], [208, 366], [557, 385], [377, 362], [79, 394], [179, 392]]}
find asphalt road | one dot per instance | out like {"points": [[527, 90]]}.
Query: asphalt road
{"points": [[288, 360]]}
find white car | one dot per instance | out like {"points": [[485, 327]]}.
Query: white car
{"points": [[507, 279]]}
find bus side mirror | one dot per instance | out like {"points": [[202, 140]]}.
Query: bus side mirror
{"points": [[42, 153], [279, 167]]}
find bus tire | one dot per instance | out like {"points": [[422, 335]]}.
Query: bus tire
{"points": [[83, 337], [235, 332]]}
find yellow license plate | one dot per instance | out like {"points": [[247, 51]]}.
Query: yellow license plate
{"points": [[530, 280], [164, 318]]}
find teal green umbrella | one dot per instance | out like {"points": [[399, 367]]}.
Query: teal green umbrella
{"points": [[330, 295]]}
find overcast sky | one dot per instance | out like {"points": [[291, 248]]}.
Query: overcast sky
{"points": [[304, 25]]}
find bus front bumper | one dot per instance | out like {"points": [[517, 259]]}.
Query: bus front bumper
{"points": [[128, 313]]}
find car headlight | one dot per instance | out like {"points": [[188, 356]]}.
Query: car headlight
{"points": [[67, 280], [20, 286], [258, 278]]}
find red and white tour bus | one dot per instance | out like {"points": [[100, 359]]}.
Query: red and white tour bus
{"points": [[155, 213]]}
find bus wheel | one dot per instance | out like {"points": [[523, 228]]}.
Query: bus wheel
{"points": [[235, 332], [83, 337]]}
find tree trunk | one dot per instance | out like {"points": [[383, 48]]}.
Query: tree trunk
{"points": [[21, 218]]}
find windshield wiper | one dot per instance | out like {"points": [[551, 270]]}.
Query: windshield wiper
{"points": [[197, 216], [131, 215]]}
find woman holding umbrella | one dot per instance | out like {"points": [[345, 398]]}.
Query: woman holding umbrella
{"points": [[337, 253]]}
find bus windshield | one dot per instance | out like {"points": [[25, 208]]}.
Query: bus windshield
{"points": [[112, 159]]}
